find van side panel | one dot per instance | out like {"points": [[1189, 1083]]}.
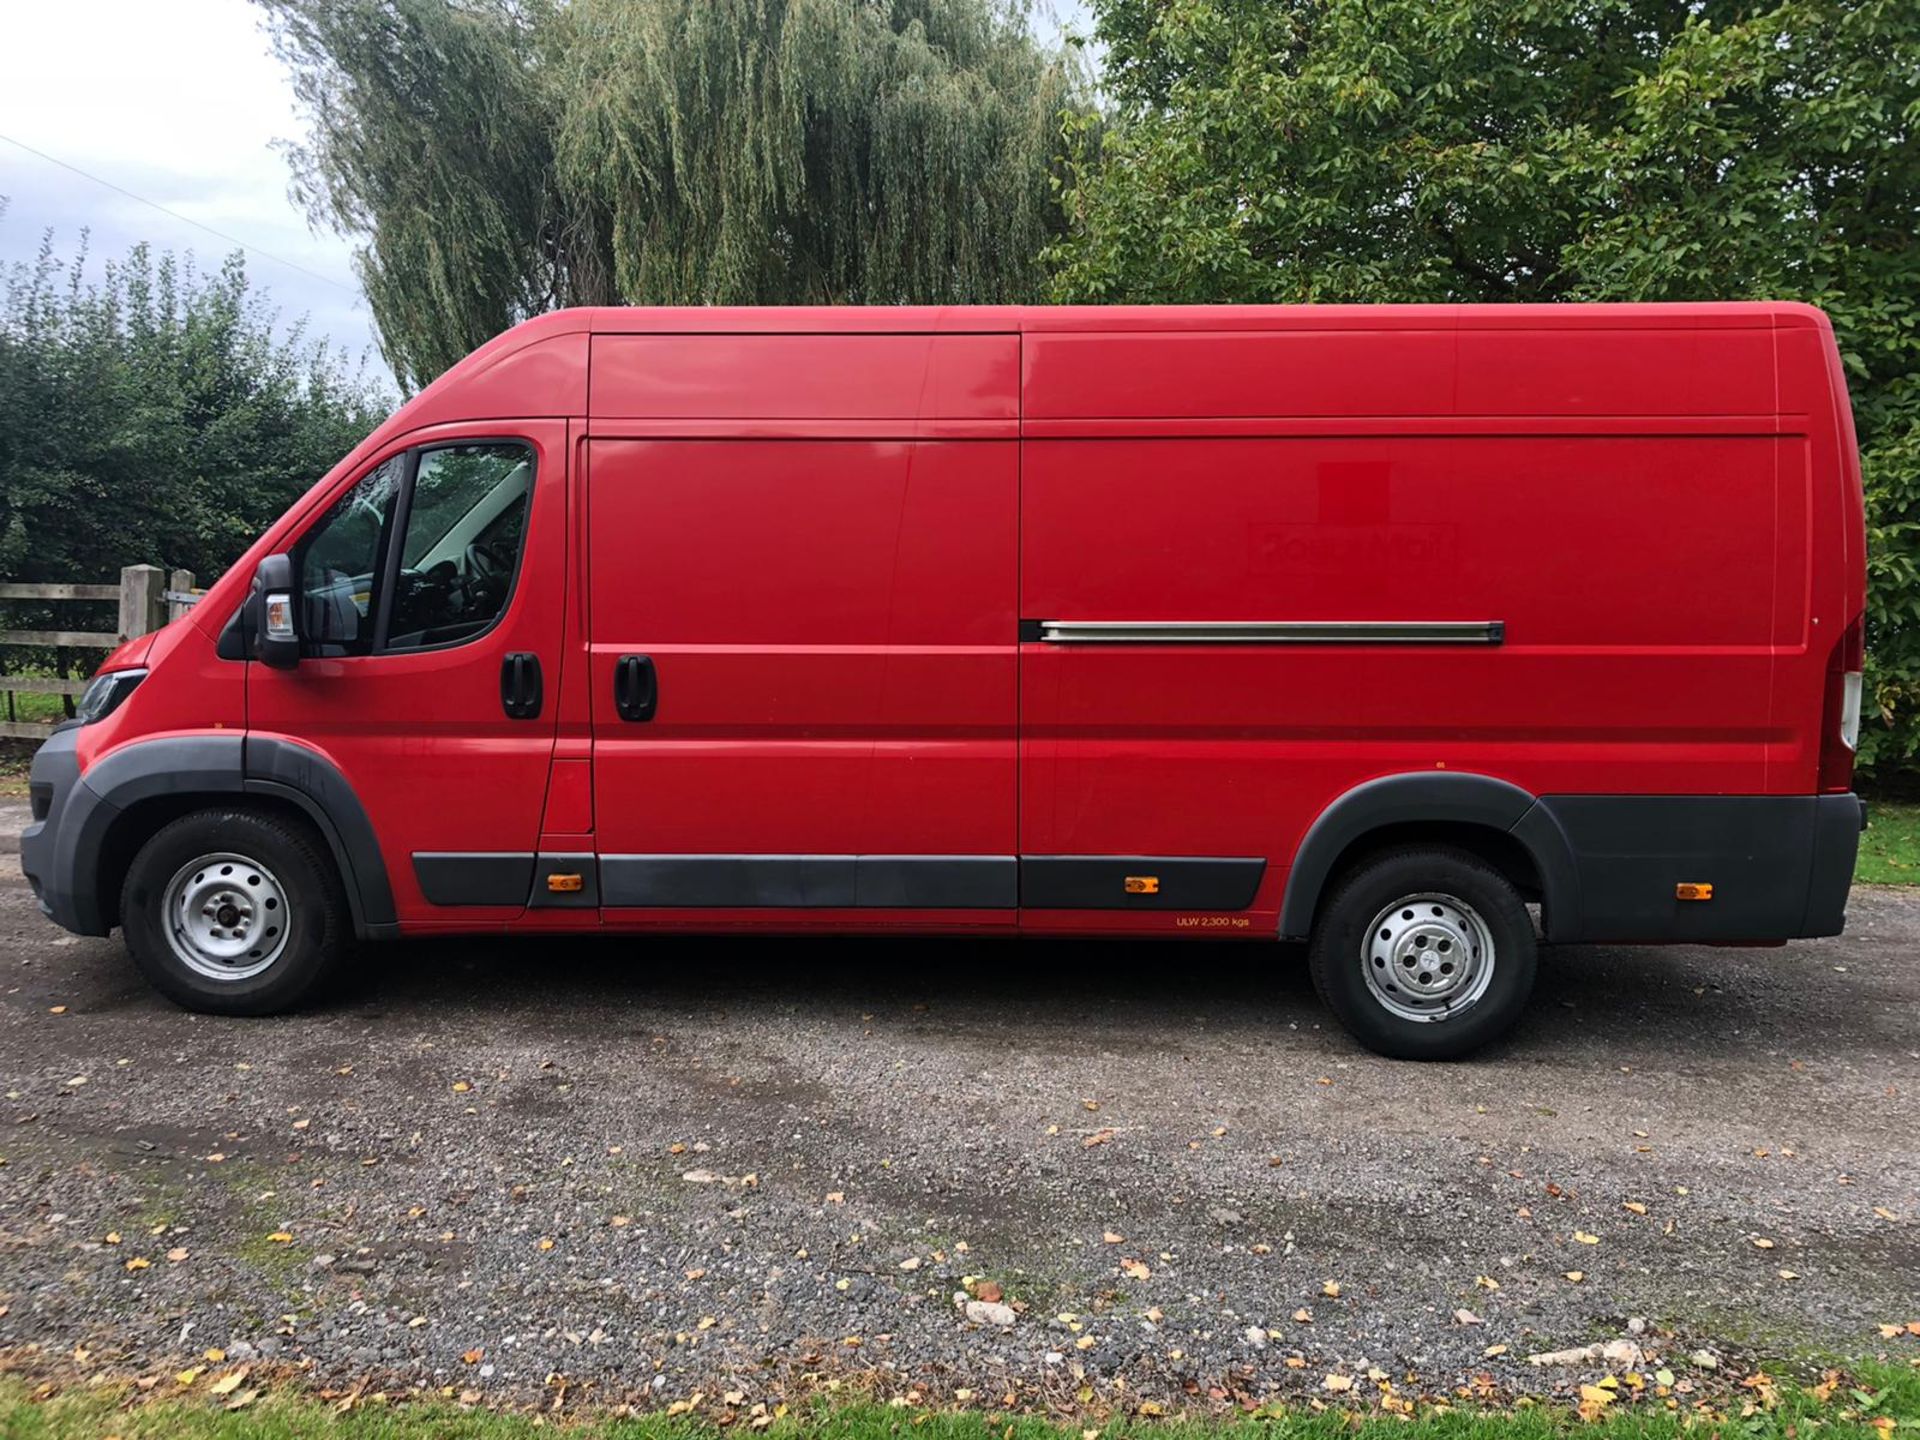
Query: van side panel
{"points": [[1607, 497], [827, 600]]}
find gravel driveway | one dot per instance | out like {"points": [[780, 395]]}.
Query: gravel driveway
{"points": [[715, 1165]]}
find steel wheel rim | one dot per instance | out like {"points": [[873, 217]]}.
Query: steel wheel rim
{"points": [[226, 916], [1428, 958]]}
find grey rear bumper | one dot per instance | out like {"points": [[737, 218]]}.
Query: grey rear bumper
{"points": [[1780, 865]]}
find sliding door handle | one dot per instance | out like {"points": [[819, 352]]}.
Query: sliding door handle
{"points": [[636, 689]]}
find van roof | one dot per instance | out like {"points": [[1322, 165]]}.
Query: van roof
{"points": [[1016, 319]]}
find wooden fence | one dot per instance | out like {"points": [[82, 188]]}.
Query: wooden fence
{"points": [[146, 597]]}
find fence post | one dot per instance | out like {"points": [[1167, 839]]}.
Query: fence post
{"points": [[143, 603], [179, 582]]}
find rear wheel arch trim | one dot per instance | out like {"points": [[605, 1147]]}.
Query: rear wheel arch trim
{"points": [[1428, 797]]}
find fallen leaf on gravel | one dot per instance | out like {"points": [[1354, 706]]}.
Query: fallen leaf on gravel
{"points": [[217, 1158], [472, 1357], [1913, 1327], [1303, 1315], [1331, 1289], [112, 1237], [699, 1177], [696, 1274], [301, 1124], [1594, 1399], [280, 1237], [1085, 1342], [1099, 1137], [1760, 1242], [707, 1322], [912, 1262], [1114, 1237], [1884, 1213], [1090, 1104], [417, 1321], [1135, 1269], [620, 1220], [1493, 1350], [1585, 1238], [57, 1010], [177, 1254], [1576, 1276], [461, 1087], [228, 1383], [1467, 1317], [1339, 1384], [546, 1243], [836, 1197], [216, 1355], [1635, 1206], [187, 1377], [139, 1262], [989, 1291]]}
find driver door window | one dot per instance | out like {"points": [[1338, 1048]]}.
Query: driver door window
{"points": [[461, 514], [337, 564]]}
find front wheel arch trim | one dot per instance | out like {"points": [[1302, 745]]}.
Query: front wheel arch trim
{"points": [[219, 767]]}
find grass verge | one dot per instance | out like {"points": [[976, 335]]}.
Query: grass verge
{"points": [[1876, 1403], [1890, 848]]}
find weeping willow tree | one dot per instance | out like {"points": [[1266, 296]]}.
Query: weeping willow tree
{"points": [[501, 157]]}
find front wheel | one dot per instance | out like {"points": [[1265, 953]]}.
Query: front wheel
{"points": [[235, 912], [1424, 954]]}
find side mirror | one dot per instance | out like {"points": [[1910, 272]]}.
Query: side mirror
{"points": [[276, 638]]}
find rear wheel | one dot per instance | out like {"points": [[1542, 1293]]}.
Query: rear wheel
{"points": [[235, 912], [1424, 954]]}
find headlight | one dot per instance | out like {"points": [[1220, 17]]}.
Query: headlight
{"points": [[106, 692]]}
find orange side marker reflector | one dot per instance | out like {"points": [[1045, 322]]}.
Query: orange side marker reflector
{"points": [[1692, 891], [565, 884], [1143, 884]]}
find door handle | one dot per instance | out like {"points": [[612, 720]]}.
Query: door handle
{"points": [[521, 690], [636, 689]]}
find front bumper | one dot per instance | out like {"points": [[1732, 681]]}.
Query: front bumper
{"points": [[64, 809]]}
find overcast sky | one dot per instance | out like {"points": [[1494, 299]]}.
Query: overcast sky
{"points": [[180, 103], [177, 101]]}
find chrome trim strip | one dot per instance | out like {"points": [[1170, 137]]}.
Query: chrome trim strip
{"points": [[1273, 632]]}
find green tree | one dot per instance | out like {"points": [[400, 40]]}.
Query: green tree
{"points": [[501, 157], [1496, 150], [156, 416]]}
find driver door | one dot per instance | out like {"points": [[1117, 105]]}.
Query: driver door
{"points": [[431, 593]]}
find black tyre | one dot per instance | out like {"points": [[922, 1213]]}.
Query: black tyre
{"points": [[1424, 954], [236, 911]]}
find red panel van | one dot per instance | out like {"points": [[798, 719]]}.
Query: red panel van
{"points": [[1422, 634]]}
